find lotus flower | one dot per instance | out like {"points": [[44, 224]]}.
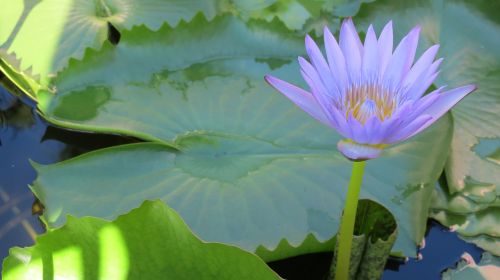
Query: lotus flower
{"points": [[371, 95]]}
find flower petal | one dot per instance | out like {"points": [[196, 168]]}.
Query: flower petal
{"points": [[319, 62], [385, 42], [357, 152], [318, 90], [425, 102], [425, 80], [421, 66], [349, 25], [370, 56], [300, 97], [343, 127], [336, 60], [444, 103], [322, 98], [401, 60], [408, 130], [315, 80], [352, 49], [358, 132], [373, 130], [397, 120]]}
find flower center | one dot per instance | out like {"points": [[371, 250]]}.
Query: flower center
{"points": [[367, 109], [366, 101]]}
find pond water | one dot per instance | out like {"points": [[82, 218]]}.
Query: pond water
{"points": [[24, 137]]}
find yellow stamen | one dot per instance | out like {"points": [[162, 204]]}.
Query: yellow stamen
{"points": [[367, 100]]}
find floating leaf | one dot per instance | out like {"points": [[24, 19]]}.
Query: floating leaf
{"points": [[293, 14], [475, 222], [151, 242], [252, 169], [467, 269], [86, 86], [64, 29], [300, 16], [235, 189]]}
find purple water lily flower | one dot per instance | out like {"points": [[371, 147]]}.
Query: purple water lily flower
{"points": [[372, 96]]}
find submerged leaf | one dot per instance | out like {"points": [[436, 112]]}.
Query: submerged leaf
{"points": [[151, 242]]}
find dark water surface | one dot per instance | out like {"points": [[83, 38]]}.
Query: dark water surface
{"points": [[24, 136]]}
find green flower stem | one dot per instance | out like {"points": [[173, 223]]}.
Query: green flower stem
{"points": [[347, 224]]}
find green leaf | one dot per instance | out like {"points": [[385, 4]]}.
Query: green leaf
{"points": [[236, 189], [300, 16], [9, 15], [475, 119], [218, 49], [78, 25], [151, 242], [24, 83], [252, 169], [463, 212], [292, 13], [480, 228], [467, 269]]}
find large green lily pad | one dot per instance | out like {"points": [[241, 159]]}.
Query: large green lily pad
{"points": [[251, 169], [151, 242]]}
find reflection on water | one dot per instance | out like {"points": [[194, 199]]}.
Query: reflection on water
{"points": [[24, 136], [20, 135]]}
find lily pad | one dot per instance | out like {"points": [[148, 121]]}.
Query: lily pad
{"points": [[235, 189], [487, 269], [251, 168], [151, 242], [300, 16], [292, 13], [80, 25], [64, 29], [239, 162], [476, 222]]}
